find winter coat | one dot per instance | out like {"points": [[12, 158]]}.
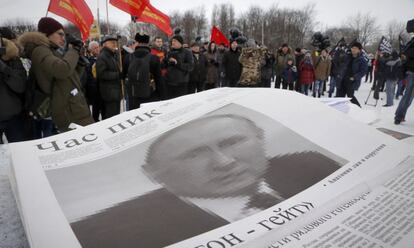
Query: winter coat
{"points": [[340, 60], [267, 68], [12, 82], [232, 66], [359, 70], [154, 88], [91, 89], [252, 60], [281, 60], [199, 73], [109, 76], [178, 74], [307, 72], [290, 74], [393, 69], [322, 68], [212, 68], [58, 75], [409, 54]]}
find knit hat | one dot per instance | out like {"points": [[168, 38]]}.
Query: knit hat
{"points": [[48, 25], [178, 38], [142, 38], [357, 44], [7, 33]]}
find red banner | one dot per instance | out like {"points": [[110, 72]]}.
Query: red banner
{"points": [[133, 7], [218, 37], [145, 13], [75, 11]]}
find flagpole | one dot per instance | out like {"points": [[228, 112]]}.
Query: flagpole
{"points": [[107, 18], [97, 14], [47, 10]]}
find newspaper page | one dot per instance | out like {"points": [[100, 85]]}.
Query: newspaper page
{"points": [[214, 169], [379, 217]]}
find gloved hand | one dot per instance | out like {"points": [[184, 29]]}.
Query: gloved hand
{"points": [[76, 43]]}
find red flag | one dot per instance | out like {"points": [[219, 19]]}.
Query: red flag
{"points": [[218, 37], [145, 12], [156, 17], [135, 8], [75, 11]]}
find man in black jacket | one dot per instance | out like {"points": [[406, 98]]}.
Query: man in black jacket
{"points": [[109, 77], [179, 63], [198, 76], [92, 93], [12, 86], [408, 62], [231, 65], [142, 88]]}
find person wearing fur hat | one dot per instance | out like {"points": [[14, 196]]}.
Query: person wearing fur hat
{"points": [[57, 74], [109, 76], [179, 63], [146, 86], [12, 86], [356, 69]]}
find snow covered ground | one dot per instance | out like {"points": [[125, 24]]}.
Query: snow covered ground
{"points": [[11, 231]]}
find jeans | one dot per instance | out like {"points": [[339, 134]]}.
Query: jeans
{"points": [[332, 86], [43, 128], [407, 98], [318, 88], [305, 89], [390, 90]]}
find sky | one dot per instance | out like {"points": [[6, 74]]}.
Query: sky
{"points": [[328, 12]]}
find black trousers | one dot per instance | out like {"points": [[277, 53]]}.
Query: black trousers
{"points": [[111, 109], [13, 129], [194, 87], [174, 91], [279, 81], [346, 89], [135, 102]]}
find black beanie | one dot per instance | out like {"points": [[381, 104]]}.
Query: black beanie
{"points": [[410, 26], [48, 25], [7, 33], [357, 44], [178, 38], [142, 38]]}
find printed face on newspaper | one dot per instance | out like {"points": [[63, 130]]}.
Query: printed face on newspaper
{"points": [[208, 162]]}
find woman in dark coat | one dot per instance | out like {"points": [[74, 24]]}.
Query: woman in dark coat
{"points": [[212, 67]]}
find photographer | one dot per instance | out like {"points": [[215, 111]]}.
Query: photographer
{"points": [[57, 74], [12, 85], [407, 56]]}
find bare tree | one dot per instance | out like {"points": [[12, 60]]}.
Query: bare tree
{"points": [[365, 28], [19, 25], [393, 30]]}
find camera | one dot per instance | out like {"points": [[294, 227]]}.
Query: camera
{"points": [[77, 45]]}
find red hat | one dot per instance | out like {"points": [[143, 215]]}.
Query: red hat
{"points": [[48, 25]]}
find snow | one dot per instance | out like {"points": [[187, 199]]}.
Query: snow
{"points": [[11, 231]]}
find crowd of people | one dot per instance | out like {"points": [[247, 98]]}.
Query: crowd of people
{"points": [[50, 81]]}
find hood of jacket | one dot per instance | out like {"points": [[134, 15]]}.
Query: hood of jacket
{"points": [[11, 50], [30, 40]]}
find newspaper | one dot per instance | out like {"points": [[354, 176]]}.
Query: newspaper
{"points": [[221, 168]]}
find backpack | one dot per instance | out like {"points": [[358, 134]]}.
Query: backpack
{"points": [[139, 77], [36, 102]]}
